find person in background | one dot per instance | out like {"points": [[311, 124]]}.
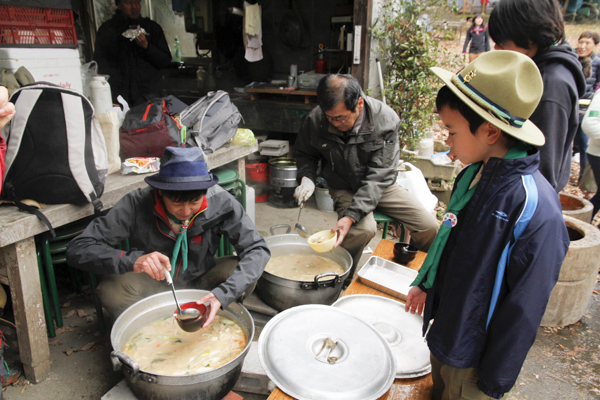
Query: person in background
{"points": [[176, 223], [133, 66], [535, 28], [478, 36], [590, 125], [354, 138], [489, 273], [590, 64]]}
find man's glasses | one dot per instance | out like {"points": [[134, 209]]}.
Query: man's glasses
{"points": [[340, 118]]}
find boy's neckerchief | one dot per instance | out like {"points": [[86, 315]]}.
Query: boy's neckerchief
{"points": [[460, 198], [181, 242]]}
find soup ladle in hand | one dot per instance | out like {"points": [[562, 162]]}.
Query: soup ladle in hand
{"points": [[300, 230], [186, 314]]}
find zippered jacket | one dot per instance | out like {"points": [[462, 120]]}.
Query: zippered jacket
{"points": [[592, 82], [134, 71], [141, 218], [479, 38], [557, 114], [459, 300], [365, 164]]}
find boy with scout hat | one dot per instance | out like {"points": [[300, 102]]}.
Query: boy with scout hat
{"points": [[489, 273]]}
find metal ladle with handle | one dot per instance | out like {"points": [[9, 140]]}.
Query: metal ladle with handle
{"points": [[300, 230], [186, 314]]}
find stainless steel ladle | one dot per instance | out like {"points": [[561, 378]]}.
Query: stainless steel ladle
{"points": [[186, 314], [300, 230]]}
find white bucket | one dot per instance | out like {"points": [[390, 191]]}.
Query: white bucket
{"points": [[425, 148], [324, 200], [100, 94]]}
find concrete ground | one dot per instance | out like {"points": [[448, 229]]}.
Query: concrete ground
{"points": [[563, 363]]}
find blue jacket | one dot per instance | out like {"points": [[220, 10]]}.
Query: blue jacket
{"points": [[459, 299]]}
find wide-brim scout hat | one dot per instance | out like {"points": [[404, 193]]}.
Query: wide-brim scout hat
{"points": [[504, 88], [182, 169]]}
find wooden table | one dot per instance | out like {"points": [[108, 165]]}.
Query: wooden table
{"points": [[18, 261], [402, 389]]}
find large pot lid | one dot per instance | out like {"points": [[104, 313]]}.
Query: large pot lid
{"points": [[360, 366], [402, 330]]}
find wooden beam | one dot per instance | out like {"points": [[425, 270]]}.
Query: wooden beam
{"points": [[363, 14]]}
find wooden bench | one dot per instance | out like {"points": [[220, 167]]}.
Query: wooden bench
{"points": [[402, 389], [18, 262]]}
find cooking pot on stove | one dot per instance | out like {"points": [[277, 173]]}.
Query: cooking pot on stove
{"points": [[282, 293], [211, 385]]}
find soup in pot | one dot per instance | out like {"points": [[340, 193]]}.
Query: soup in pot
{"points": [[302, 267], [161, 347]]}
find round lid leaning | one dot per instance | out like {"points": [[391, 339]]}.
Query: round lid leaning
{"points": [[402, 330], [320, 352]]}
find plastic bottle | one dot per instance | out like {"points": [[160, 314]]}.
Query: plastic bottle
{"points": [[176, 50], [100, 94]]}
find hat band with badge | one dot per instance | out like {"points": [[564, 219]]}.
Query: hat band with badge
{"points": [[504, 88]]}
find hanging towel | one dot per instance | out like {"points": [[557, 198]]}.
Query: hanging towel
{"points": [[252, 32]]}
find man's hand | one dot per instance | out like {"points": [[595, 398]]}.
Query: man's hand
{"points": [[152, 264], [141, 40], [215, 304], [342, 227], [415, 301], [7, 109], [305, 190]]}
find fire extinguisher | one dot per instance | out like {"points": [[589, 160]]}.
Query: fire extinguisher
{"points": [[321, 65]]}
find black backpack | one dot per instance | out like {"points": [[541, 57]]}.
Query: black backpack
{"points": [[55, 148]]}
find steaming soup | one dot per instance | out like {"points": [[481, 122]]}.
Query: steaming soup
{"points": [[161, 347], [302, 267]]}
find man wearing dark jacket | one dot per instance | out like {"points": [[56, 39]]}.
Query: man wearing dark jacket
{"points": [[355, 139], [535, 28], [133, 65], [177, 222]]}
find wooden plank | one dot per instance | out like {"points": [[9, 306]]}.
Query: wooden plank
{"points": [[21, 264], [363, 15], [16, 225], [297, 92], [402, 389]]}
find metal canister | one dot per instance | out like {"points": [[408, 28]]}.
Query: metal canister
{"points": [[290, 81], [282, 182]]}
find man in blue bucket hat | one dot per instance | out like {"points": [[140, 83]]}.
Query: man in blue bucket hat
{"points": [[177, 221]]}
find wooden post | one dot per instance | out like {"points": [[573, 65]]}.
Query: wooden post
{"points": [[363, 14], [21, 266]]}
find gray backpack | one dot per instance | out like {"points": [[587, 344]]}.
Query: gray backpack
{"points": [[211, 121]]}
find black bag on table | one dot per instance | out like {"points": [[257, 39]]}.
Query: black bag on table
{"points": [[56, 152], [148, 129]]}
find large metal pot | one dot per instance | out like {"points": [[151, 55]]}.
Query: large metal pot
{"points": [[282, 293], [212, 385]]}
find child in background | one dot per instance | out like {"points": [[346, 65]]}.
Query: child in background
{"points": [[591, 127], [536, 28], [477, 34], [489, 273]]}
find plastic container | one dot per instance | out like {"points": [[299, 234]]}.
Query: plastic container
{"points": [[325, 246], [176, 50], [257, 177], [324, 200], [37, 26], [60, 66], [425, 148], [100, 94], [250, 203]]}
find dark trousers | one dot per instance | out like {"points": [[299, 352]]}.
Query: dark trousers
{"points": [[595, 165]]}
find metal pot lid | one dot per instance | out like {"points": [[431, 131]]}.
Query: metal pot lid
{"points": [[316, 352], [402, 330]]}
